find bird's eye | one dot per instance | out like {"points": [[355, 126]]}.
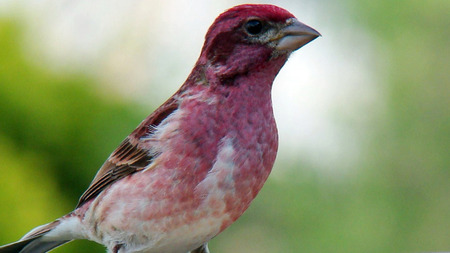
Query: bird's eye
{"points": [[254, 26]]}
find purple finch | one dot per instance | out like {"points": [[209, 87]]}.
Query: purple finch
{"points": [[192, 167]]}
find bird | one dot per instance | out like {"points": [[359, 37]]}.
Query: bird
{"points": [[194, 165]]}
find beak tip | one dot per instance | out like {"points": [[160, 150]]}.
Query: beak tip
{"points": [[296, 35]]}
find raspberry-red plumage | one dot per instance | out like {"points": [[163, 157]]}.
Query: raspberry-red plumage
{"points": [[192, 167]]}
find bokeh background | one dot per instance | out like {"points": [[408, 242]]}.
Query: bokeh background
{"points": [[363, 114]]}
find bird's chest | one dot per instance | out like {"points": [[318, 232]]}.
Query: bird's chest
{"points": [[209, 167], [223, 155], [204, 206], [231, 151]]}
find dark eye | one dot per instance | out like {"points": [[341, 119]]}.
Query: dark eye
{"points": [[254, 26]]}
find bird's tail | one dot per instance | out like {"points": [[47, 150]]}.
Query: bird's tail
{"points": [[43, 238]]}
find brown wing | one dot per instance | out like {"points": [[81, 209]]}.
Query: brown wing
{"points": [[129, 157]]}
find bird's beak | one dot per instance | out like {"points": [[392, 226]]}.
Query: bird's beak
{"points": [[295, 35]]}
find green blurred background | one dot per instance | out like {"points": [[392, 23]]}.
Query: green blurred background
{"points": [[57, 128]]}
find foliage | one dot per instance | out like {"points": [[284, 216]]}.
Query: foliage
{"points": [[55, 131]]}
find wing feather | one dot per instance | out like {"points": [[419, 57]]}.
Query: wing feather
{"points": [[130, 156]]}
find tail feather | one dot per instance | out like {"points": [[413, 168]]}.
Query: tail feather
{"points": [[32, 245], [35, 241]]}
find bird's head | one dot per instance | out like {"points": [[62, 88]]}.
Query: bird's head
{"points": [[248, 36]]}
